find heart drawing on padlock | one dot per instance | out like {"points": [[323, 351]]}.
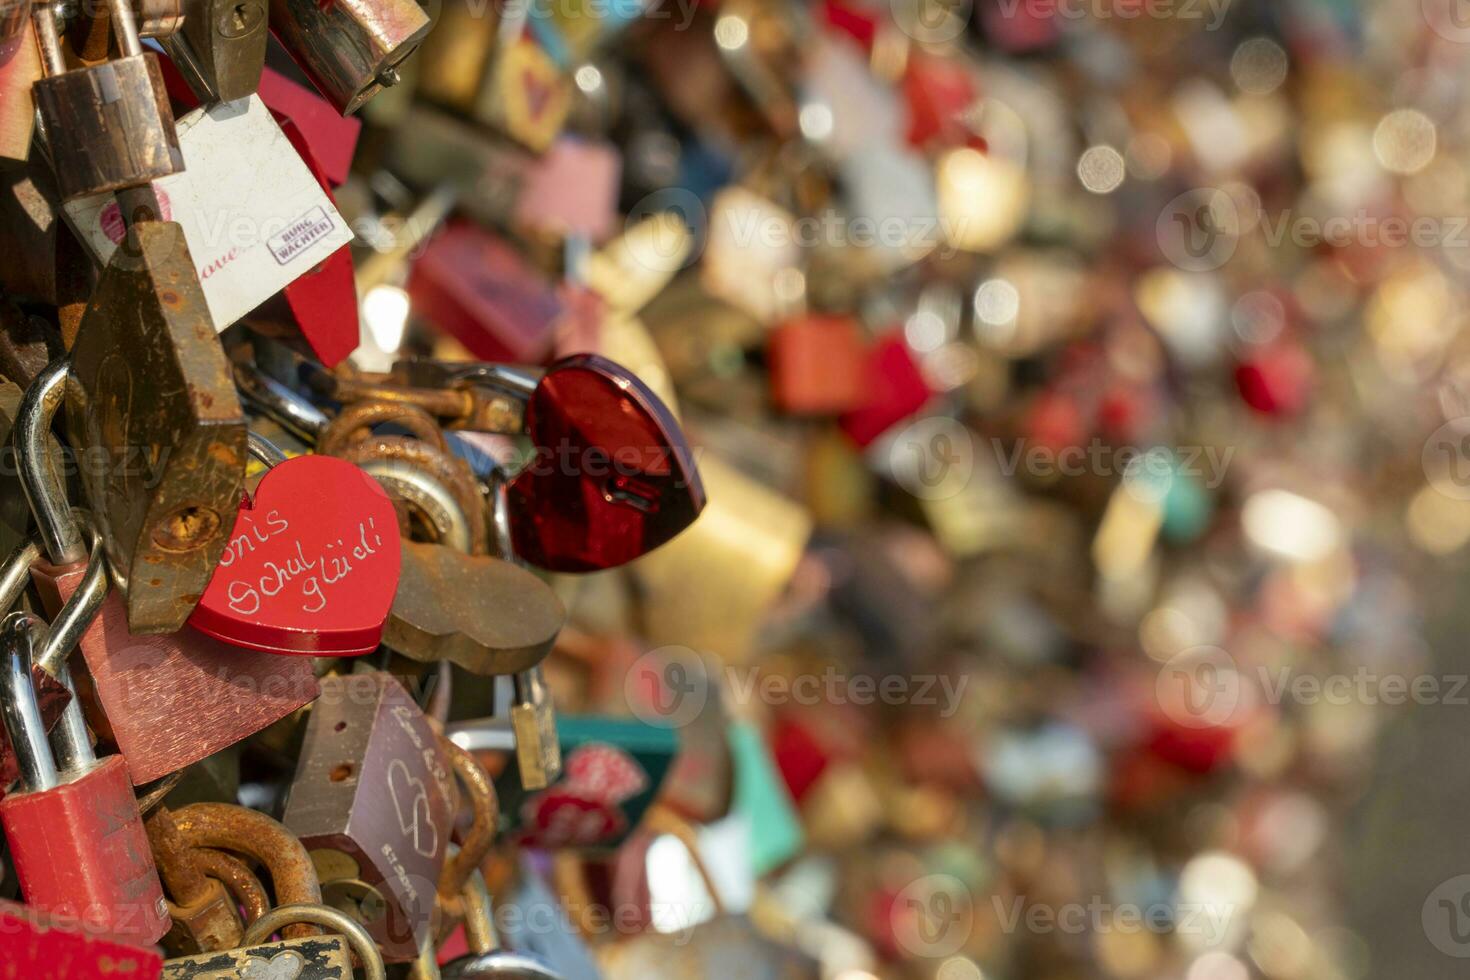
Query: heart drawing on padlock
{"points": [[411, 801], [613, 477], [286, 965], [311, 566]]}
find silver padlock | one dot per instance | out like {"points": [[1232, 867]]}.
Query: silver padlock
{"points": [[351, 49], [109, 126]]}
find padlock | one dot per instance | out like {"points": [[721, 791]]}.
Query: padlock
{"points": [[219, 47], [453, 603], [238, 163], [52, 694], [108, 126], [203, 913], [153, 386], [212, 829], [528, 97], [27, 344], [612, 478], [572, 191], [76, 838], [317, 314], [326, 957], [168, 700], [612, 773], [895, 390], [486, 960], [35, 945], [481, 292], [312, 564], [20, 69], [350, 49], [373, 800], [818, 365]]}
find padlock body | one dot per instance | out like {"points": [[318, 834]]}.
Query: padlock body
{"points": [[20, 69], [80, 849], [318, 958], [159, 426], [346, 46], [38, 946], [110, 126], [818, 366], [172, 700], [373, 800]]}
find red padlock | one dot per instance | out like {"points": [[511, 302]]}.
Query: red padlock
{"points": [[818, 365], [481, 292], [895, 390], [75, 834], [38, 946]]}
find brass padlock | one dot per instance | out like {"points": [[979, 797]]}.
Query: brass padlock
{"points": [[219, 47], [154, 402], [318, 958], [374, 801], [108, 126], [350, 49]]}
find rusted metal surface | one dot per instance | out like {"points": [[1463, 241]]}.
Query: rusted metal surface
{"points": [[373, 799], [27, 344], [100, 145], [249, 832], [203, 912], [479, 791], [324, 958], [464, 407], [480, 613], [156, 403], [241, 882]]}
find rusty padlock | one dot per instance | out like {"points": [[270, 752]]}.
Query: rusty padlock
{"points": [[203, 911], [326, 957], [153, 387], [166, 701], [76, 838], [99, 144], [373, 800]]}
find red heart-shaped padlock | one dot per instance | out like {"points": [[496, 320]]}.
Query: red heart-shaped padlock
{"points": [[612, 478], [312, 564]]}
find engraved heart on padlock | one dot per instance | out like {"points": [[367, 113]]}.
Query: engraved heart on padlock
{"points": [[286, 965], [311, 566], [612, 478]]}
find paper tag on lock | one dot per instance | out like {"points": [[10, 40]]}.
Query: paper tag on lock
{"points": [[253, 215]]}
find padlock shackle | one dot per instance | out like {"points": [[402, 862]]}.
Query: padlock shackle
{"points": [[429, 494], [60, 532], [264, 450], [76, 616], [357, 937], [71, 744], [125, 27], [48, 36], [18, 705], [274, 400]]}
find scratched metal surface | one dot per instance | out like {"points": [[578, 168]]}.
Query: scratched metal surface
{"points": [[321, 958], [155, 398]]}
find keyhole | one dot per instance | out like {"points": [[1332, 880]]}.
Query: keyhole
{"points": [[239, 19]]}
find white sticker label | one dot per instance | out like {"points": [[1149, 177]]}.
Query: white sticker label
{"points": [[253, 216]]}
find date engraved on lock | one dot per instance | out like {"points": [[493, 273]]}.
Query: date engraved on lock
{"points": [[301, 234]]}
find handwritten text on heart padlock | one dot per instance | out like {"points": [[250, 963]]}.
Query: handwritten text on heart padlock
{"points": [[312, 564]]}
